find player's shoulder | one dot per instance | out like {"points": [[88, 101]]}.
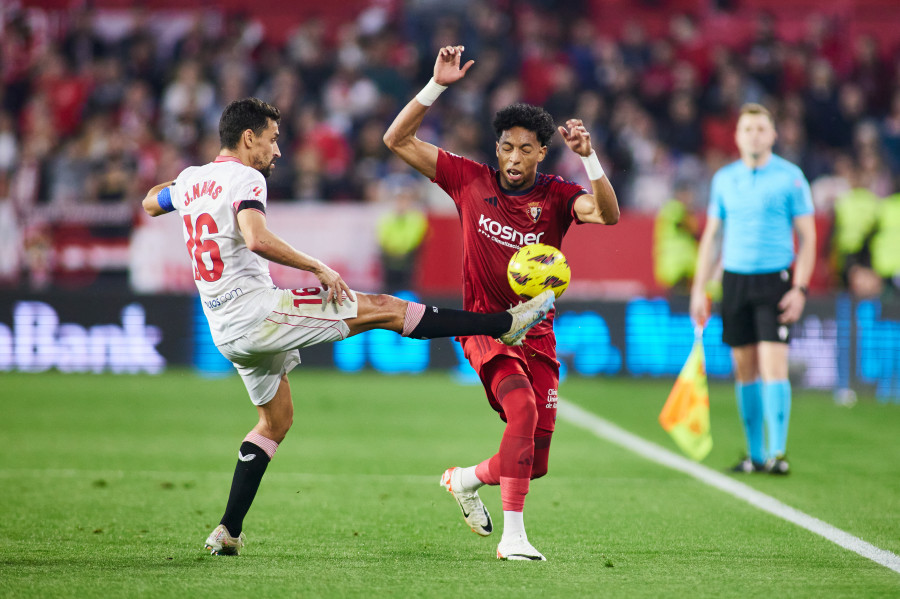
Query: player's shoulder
{"points": [[726, 173], [729, 169], [786, 166], [188, 172], [548, 179], [463, 162], [239, 171]]}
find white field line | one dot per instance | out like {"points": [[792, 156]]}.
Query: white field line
{"points": [[610, 432]]}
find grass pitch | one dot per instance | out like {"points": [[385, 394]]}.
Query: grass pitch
{"points": [[111, 484]]}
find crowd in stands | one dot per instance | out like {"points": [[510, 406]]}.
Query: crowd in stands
{"points": [[95, 108]]}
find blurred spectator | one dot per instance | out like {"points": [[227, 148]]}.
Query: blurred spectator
{"points": [[108, 88], [675, 234], [821, 103], [64, 92], [683, 133], [9, 144], [81, 45], [661, 108], [855, 217], [870, 73], [186, 102], [331, 153], [634, 47], [873, 171], [113, 174], [765, 54], [401, 231], [349, 94], [851, 112], [885, 244], [890, 133], [826, 189], [371, 156]]}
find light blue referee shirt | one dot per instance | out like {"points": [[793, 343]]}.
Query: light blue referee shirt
{"points": [[757, 208]]}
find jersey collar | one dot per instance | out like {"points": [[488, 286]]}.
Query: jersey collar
{"points": [[221, 158], [509, 192]]}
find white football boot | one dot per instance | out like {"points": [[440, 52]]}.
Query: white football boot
{"points": [[473, 511], [526, 315], [220, 542], [517, 547]]}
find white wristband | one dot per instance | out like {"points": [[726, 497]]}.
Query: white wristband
{"points": [[430, 92], [592, 166]]}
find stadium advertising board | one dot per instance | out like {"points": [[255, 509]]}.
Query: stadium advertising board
{"points": [[96, 333], [836, 345]]}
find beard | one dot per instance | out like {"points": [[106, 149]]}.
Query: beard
{"points": [[265, 169]]}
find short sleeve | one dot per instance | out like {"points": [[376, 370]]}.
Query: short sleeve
{"points": [[179, 187], [452, 172], [251, 192], [716, 206], [801, 196]]}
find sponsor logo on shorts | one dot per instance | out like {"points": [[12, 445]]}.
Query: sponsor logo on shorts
{"points": [[552, 398], [783, 332]]}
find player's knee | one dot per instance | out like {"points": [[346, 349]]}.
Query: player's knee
{"points": [[387, 304], [384, 311], [521, 410]]}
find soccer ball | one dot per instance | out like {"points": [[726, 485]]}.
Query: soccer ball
{"points": [[536, 268]]}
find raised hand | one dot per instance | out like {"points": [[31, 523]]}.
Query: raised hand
{"points": [[577, 137], [446, 67]]}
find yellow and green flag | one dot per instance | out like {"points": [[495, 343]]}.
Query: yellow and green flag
{"points": [[685, 415]]}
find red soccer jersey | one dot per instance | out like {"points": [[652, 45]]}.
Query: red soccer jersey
{"points": [[497, 222]]}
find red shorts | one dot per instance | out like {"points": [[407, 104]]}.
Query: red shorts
{"points": [[535, 358]]}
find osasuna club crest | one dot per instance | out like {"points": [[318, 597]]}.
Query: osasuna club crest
{"points": [[534, 211]]}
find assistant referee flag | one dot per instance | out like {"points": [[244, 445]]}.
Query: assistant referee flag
{"points": [[685, 415]]}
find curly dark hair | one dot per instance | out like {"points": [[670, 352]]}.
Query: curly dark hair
{"points": [[532, 118], [240, 115]]}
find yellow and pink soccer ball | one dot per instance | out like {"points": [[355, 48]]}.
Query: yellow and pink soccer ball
{"points": [[536, 268]]}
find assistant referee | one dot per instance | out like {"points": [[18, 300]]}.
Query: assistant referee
{"points": [[756, 204]]}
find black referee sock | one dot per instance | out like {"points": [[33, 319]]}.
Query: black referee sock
{"points": [[252, 463], [446, 322]]}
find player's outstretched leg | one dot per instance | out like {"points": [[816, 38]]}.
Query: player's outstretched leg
{"points": [[473, 510], [526, 315], [423, 322]]}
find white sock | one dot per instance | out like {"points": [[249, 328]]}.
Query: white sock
{"points": [[468, 480], [513, 523]]}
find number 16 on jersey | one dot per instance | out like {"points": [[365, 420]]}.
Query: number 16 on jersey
{"points": [[197, 247]]}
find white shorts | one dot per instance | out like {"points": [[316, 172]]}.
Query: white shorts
{"points": [[300, 318]]}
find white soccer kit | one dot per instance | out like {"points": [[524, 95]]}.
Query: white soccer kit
{"points": [[207, 199], [255, 325]]}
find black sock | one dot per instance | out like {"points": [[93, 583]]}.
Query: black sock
{"points": [[252, 463], [446, 322]]}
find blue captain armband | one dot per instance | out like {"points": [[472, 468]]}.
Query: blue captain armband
{"points": [[164, 198]]}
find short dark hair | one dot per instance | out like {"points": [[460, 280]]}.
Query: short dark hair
{"points": [[757, 109], [240, 115], [532, 118]]}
